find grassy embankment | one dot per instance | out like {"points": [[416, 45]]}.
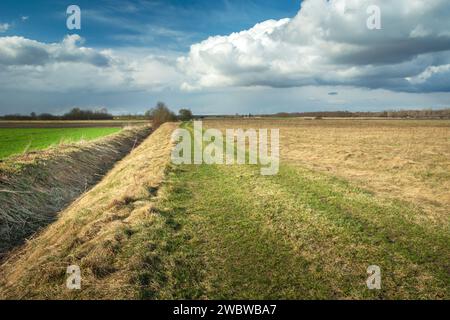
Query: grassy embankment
{"points": [[20, 140], [34, 187], [93, 232], [228, 232]]}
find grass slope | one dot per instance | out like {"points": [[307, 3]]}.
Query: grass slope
{"points": [[19, 140], [36, 186], [93, 232]]}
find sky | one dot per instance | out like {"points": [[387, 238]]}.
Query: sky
{"points": [[225, 56]]}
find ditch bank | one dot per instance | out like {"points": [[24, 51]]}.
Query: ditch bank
{"points": [[36, 186], [101, 232]]}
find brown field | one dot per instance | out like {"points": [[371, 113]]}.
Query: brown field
{"points": [[403, 159]]}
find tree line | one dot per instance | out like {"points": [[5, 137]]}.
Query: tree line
{"points": [[74, 114], [395, 114], [161, 113], [158, 115]]}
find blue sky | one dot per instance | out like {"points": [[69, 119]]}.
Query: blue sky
{"points": [[163, 24], [224, 56]]}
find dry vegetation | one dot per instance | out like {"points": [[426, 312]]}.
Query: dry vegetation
{"points": [[403, 159], [35, 186], [92, 231]]}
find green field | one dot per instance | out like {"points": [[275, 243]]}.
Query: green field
{"points": [[19, 140]]}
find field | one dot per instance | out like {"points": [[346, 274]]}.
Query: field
{"points": [[398, 159], [349, 194], [73, 123], [20, 140]]}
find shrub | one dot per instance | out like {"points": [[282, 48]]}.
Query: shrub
{"points": [[160, 114], [185, 115]]}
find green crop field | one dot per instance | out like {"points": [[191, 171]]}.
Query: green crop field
{"points": [[19, 140]]}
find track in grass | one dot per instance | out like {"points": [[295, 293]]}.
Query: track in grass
{"points": [[231, 233], [19, 140]]}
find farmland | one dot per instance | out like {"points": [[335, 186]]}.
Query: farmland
{"points": [[20, 140], [349, 194], [72, 123]]}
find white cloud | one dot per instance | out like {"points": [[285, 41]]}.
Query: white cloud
{"points": [[328, 43], [67, 66], [4, 27], [20, 51]]}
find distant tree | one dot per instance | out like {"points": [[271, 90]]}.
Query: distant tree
{"points": [[46, 116], [160, 114], [33, 115], [78, 114], [185, 115]]}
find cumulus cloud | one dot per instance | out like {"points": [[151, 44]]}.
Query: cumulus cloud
{"points": [[67, 65], [22, 51], [328, 43], [4, 27]]}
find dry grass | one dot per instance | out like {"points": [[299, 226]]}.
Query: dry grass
{"points": [[36, 186], [402, 159], [231, 233], [91, 232]]}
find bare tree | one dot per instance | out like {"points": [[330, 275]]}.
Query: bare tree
{"points": [[160, 114]]}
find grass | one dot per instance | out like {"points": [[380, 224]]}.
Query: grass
{"points": [[93, 231], [35, 187], [154, 231], [20, 140], [226, 232], [229, 233], [72, 123], [398, 159]]}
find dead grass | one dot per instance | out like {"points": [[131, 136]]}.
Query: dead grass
{"points": [[92, 231], [402, 159], [36, 186]]}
